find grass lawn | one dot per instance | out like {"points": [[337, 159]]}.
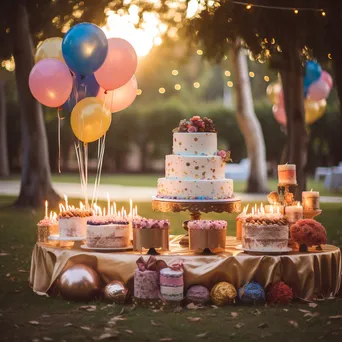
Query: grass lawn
{"points": [[19, 305], [150, 180]]}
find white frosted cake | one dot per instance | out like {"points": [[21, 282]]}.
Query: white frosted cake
{"points": [[265, 233], [195, 170], [108, 232], [73, 222]]}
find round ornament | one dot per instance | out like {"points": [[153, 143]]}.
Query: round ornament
{"points": [[223, 293], [252, 293], [279, 293], [115, 292], [79, 282], [198, 294]]}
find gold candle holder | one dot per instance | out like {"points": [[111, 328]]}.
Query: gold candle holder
{"points": [[150, 238], [202, 239]]}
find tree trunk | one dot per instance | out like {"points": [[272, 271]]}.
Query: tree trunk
{"points": [[4, 165], [35, 175], [249, 123], [338, 80], [292, 79]]}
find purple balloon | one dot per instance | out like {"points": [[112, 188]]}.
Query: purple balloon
{"points": [[50, 82], [318, 90], [326, 77]]}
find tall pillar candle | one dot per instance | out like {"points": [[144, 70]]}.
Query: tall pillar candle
{"points": [[310, 200], [294, 213], [287, 174]]}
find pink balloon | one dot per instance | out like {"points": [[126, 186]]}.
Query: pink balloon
{"points": [[120, 98], [50, 82], [318, 90], [326, 77], [279, 114], [119, 66]]}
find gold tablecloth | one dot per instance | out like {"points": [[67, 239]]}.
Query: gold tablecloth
{"points": [[316, 272]]}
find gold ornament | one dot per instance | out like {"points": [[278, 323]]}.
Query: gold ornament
{"points": [[223, 293], [115, 292], [273, 92], [273, 197], [79, 282]]}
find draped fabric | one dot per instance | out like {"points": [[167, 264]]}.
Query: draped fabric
{"points": [[312, 273]]}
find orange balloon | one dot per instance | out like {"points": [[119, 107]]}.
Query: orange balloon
{"points": [[90, 119]]}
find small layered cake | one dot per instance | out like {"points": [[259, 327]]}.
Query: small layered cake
{"points": [[207, 234], [73, 222], [107, 232], [149, 233], [171, 284], [266, 233], [46, 227]]}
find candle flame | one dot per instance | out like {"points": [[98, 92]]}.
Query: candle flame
{"points": [[311, 190]]}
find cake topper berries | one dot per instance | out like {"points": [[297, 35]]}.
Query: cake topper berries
{"points": [[195, 124]]}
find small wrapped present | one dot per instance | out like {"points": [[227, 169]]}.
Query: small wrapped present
{"points": [[172, 283], [146, 278]]}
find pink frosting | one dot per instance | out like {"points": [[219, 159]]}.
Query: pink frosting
{"points": [[167, 281], [144, 223], [207, 224], [46, 222], [108, 219]]}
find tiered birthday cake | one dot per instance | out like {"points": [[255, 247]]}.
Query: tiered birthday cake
{"points": [[73, 222], [196, 169]]}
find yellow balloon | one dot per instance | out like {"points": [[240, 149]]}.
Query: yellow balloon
{"points": [[322, 107], [90, 119], [273, 91], [312, 111], [50, 48]]}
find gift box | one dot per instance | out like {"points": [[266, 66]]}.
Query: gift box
{"points": [[207, 234], [146, 278], [172, 283], [148, 233]]}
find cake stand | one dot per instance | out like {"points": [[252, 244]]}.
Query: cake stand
{"points": [[196, 207]]}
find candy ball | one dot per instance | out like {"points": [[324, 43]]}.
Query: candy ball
{"points": [[79, 282], [115, 292], [252, 293], [223, 293], [279, 293], [198, 294]]}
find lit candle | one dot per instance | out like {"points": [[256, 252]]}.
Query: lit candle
{"points": [[294, 212], [287, 174], [108, 203], [310, 200], [66, 201], [274, 208], [46, 209], [114, 204], [136, 210]]}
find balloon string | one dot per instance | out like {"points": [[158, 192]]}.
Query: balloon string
{"points": [[59, 138], [79, 164], [101, 163], [99, 145], [85, 146]]}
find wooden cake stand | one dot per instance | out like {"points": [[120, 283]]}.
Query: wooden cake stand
{"points": [[196, 207]]}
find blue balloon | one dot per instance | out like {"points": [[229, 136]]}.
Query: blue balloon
{"points": [[85, 48], [313, 72], [83, 86]]}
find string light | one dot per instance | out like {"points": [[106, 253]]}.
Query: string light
{"points": [[249, 6], [230, 84], [251, 74], [329, 56], [174, 72], [295, 11], [178, 86], [197, 85], [139, 92], [323, 14], [161, 90], [266, 79], [227, 73], [199, 52]]}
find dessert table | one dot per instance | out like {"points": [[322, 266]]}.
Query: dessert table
{"points": [[312, 273]]}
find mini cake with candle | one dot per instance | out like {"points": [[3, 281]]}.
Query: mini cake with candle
{"points": [[108, 232], [264, 233], [46, 227], [73, 222]]}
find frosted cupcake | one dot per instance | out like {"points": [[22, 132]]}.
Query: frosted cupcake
{"points": [[46, 227]]}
